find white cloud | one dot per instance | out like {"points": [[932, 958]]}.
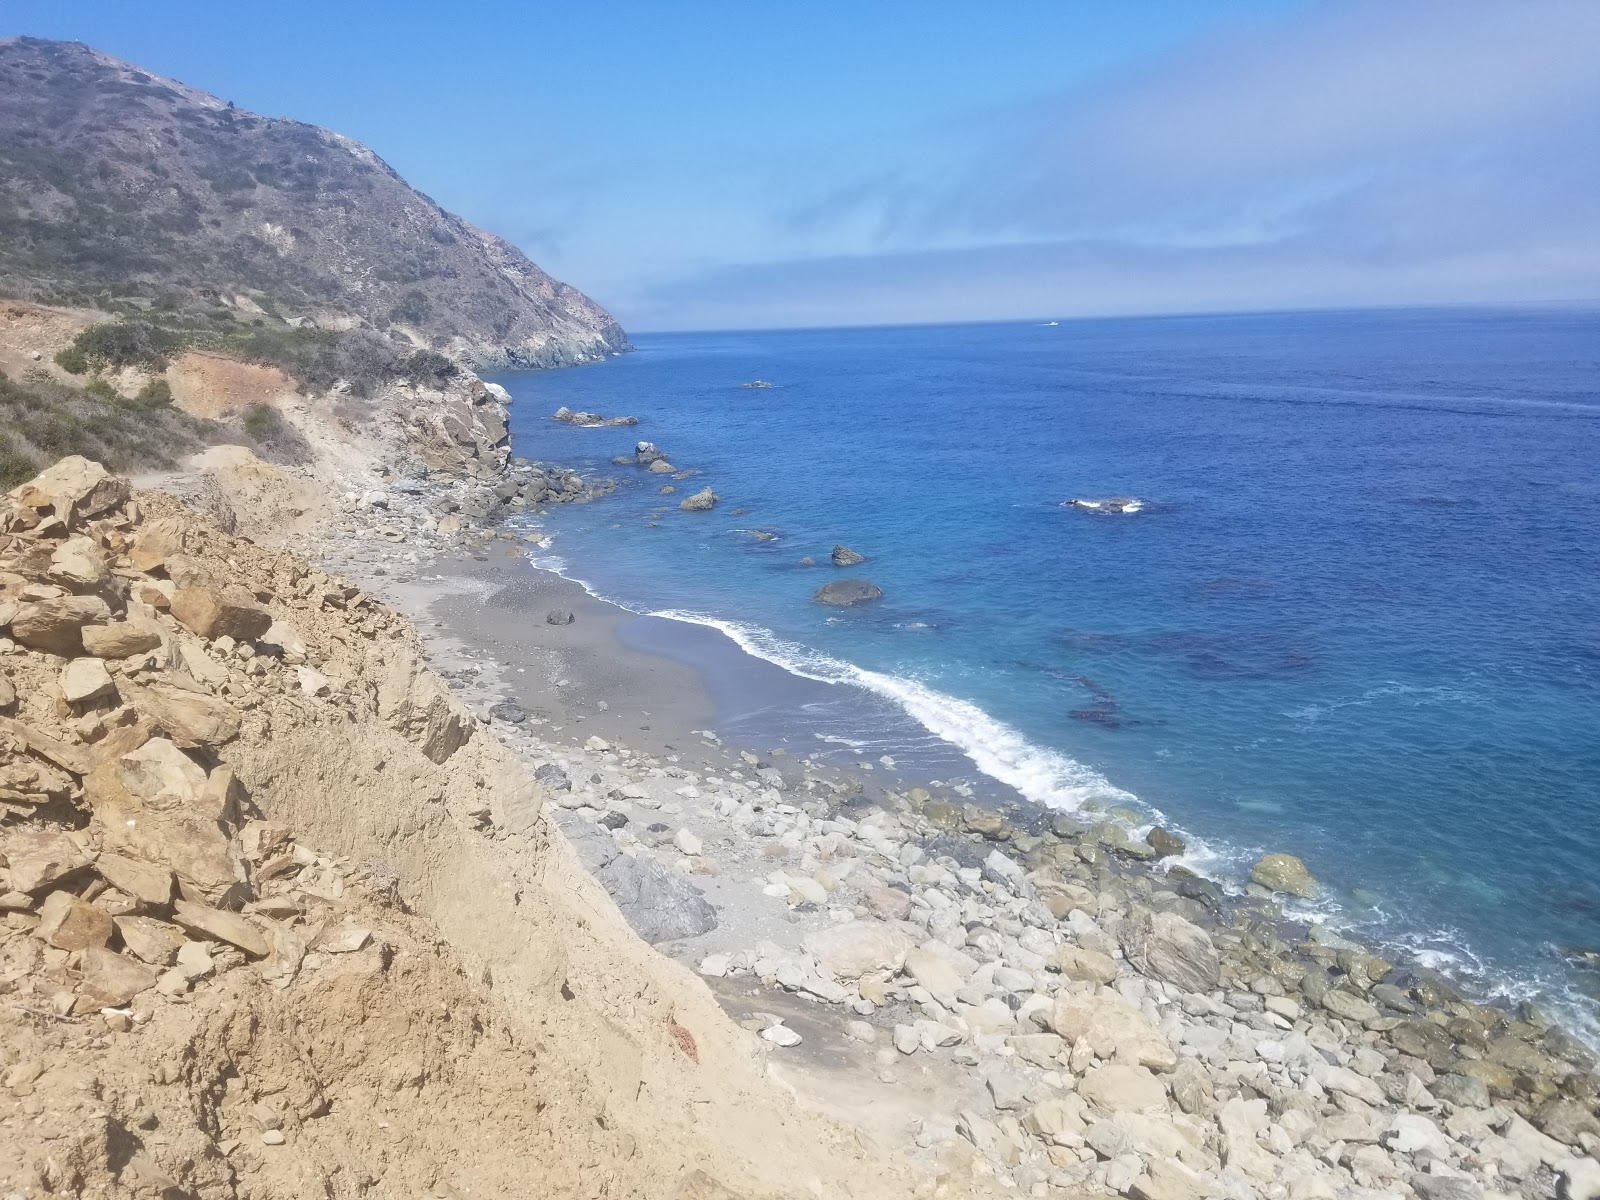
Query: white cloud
{"points": [[1351, 152]]}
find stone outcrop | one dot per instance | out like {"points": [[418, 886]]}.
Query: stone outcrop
{"points": [[847, 593]]}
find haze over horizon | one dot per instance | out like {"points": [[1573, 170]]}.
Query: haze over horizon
{"points": [[705, 166]]}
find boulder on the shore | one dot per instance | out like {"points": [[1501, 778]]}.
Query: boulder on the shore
{"points": [[843, 556], [702, 501], [1284, 873], [845, 593], [1164, 946], [1165, 843], [661, 906]]}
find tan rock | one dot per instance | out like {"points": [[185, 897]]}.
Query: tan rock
{"points": [[1113, 1028], [1284, 873], [55, 625], [149, 940], [120, 639], [84, 680], [156, 542], [934, 972], [859, 948], [1118, 1088], [41, 858], [887, 904], [1040, 1049], [702, 501], [1079, 964], [223, 926], [78, 564], [110, 980], [74, 488], [187, 717], [287, 640], [67, 923], [149, 883], [8, 692], [151, 805], [229, 611]]}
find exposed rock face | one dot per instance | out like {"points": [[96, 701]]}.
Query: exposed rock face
{"points": [[271, 214], [845, 593]]}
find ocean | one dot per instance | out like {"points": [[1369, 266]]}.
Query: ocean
{"points": [[1356, 616]]}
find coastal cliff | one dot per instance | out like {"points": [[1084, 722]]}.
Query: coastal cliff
{"points": [[119, 187]]}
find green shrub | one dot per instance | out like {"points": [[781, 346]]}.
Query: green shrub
{"points": [[155, 394], [263, 423], [72, 360], [126, 344], [427, 366], [101, 390]]}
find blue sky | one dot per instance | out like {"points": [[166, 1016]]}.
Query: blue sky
{"points": [[697, 164]]}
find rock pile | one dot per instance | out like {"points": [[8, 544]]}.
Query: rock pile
{"points": [[1134, 1033]]}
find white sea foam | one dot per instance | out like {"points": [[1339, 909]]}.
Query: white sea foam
{"points": [[1050, 778], [1044, 776]]}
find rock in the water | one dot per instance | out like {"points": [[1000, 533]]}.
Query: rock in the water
{"points": [[1284, 873], [645, 453], [1165, 946], [847, 592], [1165, 843], [702, 501], [858, 948], [660, 905], [843, 556]]}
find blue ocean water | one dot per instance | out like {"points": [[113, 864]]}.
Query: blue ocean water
{"points": [[1358, 618]]}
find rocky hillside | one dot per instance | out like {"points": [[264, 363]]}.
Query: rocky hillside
{"points": [[119, 186], [279, 918]]}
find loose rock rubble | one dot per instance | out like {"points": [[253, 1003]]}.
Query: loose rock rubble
{"points": [[1135, 1033], [195, 999]]}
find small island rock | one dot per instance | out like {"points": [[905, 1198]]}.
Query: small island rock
{"points": [[843, 556], [701, 501], [847, 592]]}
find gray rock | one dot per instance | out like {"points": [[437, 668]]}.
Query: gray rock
{"points": [[1165, 946], [1463, 1091], [843, 556], [1444, 1187], [553, 777], [509, 712], [1284, 873], [661, 906], [702, 501], [847, 592], [559, 616]]}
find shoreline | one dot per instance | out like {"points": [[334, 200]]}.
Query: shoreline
{"points": [[757, 862], [677, 661]]}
